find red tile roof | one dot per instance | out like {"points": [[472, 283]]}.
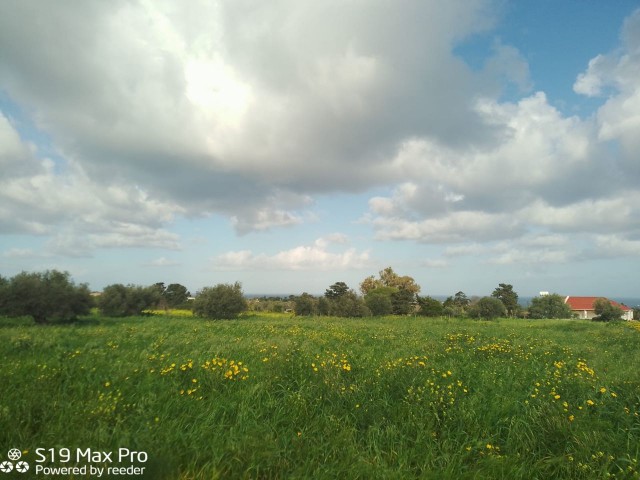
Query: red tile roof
{"points": [[586, 303]]}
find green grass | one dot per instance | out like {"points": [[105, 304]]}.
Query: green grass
{"points": [[329, 398]]}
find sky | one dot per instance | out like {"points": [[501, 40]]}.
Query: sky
{"points": [[292, 144]]}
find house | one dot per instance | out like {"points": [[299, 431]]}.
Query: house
{"points": [[583, 307]]}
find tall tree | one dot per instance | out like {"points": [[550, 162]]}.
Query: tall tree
{"points": [[389, 278], [509, 298], [456, 305], [175, 294], [336, 290]]}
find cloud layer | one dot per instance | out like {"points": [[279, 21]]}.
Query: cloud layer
{"points": [[252, 110]]}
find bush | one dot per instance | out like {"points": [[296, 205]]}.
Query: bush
{"points": [[47, 297], [305, 304], [487, 308], [430, 307], [549, 306], [118, 300], [606, 311], [224, 301], [379, 304]]}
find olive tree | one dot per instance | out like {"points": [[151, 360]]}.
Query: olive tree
{"points": [[119, 300], [49, 296], [224, 301], [606, 311], [549, 306]]}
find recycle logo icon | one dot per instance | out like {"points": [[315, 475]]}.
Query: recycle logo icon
{"points": [[22, 467], [14, 454], [6, 466]]}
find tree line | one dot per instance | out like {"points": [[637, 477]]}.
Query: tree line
{"points": [[52, 297]]}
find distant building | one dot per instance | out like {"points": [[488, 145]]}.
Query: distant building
{"points": [[583, 307]]}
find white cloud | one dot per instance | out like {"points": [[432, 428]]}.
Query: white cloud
{"points": [[434, 263], [251, 109], [218, 107], [22, 253], [304, 257], [75, 212], [162, 262], [615, 246], [617, 75]]}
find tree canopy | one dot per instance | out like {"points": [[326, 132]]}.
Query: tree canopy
{"points": [[549, 306], [430, 307], [224, 301], [49, 296], [487, 308], [606, 311], [120, 300], [509, 298], [389, 278]]}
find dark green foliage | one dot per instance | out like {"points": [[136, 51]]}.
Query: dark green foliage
{"points": [[487, 308], [340, 301], [504, 292], [457, 305], [549, 306], [118, 300], [175, 295], [224, 301], [49, 296], [336, 290], [349, 305], [324, 306], [606, 311], [305, 304], [379, 303], [430, 307], [402, 301]]}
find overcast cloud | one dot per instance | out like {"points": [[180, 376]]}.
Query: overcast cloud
{"points": [[254, 110]]}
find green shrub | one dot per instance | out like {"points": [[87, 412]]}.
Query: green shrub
{"points": [[224, 301]]}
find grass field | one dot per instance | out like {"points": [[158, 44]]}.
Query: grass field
{"points": [[265, 397]]}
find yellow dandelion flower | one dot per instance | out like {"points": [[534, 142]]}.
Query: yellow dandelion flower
{"points": [[603, 390]]}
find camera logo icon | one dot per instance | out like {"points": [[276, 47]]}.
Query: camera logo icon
{"points": [[14, 454]]}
